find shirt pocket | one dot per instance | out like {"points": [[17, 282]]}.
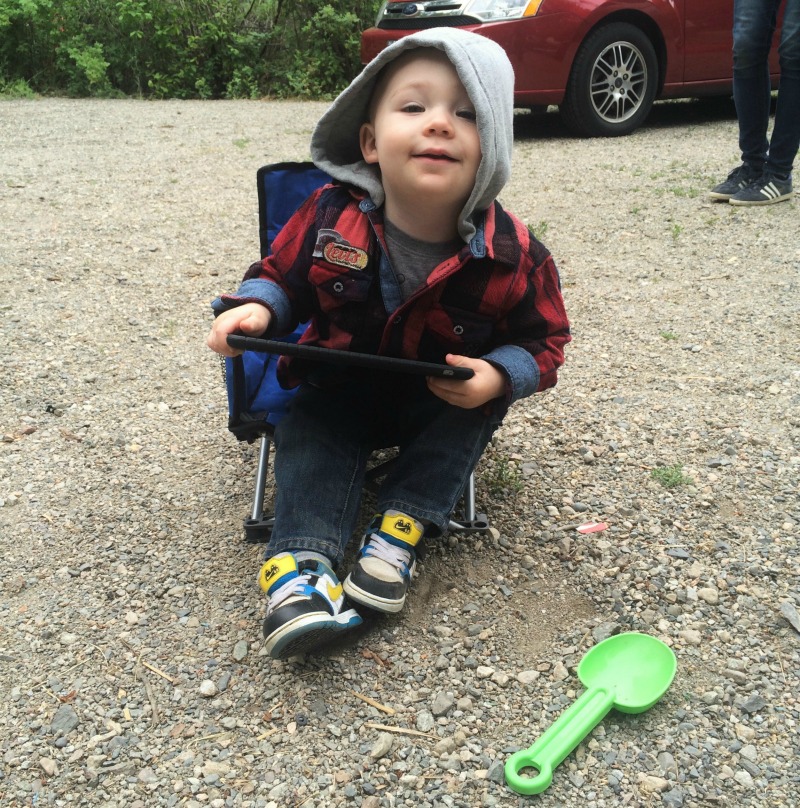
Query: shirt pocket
{"points": [[339, 288], [459, 331]]}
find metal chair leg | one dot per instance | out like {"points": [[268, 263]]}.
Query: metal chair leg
{"points": [[257, 527], [469, 521]]}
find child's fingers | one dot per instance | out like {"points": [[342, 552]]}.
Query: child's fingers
{"points": [[247, 320], [218, 342]]}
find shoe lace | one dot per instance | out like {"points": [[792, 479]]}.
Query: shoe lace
{"points": [[285, 591], [390, 553], [746, 173]]}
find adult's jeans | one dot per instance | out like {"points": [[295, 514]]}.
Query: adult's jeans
{"points": [[324, 441], [753, 27]]}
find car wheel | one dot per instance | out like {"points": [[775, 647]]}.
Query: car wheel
{"points": [[612, 83]]}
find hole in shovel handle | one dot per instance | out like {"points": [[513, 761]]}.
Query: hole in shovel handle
{"points": [[518, 778]]}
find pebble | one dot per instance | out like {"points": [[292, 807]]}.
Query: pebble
{"points": [[749, 751], [64, 721], [425, 721], [442, 704], [382, 746], [49, 766], [651, 783], [674, 798], [791, 614], [754, 704], [709, 595]]}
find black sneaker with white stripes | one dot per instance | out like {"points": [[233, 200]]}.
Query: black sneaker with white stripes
{"points": [[767, 190], [738, 179]]}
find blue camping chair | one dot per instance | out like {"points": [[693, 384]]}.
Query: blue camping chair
{"points": [[256, 402]]}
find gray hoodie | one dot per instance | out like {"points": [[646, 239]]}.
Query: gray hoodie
{"points": [[487, 76]]}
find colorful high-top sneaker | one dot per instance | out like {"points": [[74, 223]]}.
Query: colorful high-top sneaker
{"points": [[306, 606], [382, 574]]}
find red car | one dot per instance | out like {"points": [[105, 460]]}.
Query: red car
{"points": [[603, 62]]}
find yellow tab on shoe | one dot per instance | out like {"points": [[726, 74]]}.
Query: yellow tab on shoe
{"points": [[401, 527], [274, 569]]}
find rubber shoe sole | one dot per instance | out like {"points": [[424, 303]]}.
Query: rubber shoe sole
{"points": [[767, 200], [722, 196], [308, 632], [371, 601]]}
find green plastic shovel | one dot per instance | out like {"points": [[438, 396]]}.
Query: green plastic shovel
{"points": [[629, 672]]}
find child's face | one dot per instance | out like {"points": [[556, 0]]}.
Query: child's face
{"points": [[423, 133]]}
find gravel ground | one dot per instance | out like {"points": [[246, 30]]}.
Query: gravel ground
{"points": [[129, 613]]}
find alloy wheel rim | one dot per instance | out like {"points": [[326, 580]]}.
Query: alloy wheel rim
{"points": [[619, 82]]}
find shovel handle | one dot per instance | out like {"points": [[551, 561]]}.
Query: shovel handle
{"points": [[566, 732]]}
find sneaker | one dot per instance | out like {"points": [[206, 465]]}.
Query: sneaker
{"points": [[738, 179], [306, 606], [767, 190], [385, 564]]}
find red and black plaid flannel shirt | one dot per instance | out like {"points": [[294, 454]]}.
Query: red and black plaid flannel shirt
{"points": [[327, 260]]}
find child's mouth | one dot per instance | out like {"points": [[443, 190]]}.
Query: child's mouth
{"points": [[443, 157]]}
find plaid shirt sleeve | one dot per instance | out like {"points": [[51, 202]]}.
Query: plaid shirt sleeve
{"points": [[532, 327]]}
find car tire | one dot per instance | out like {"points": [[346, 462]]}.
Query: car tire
{"points": [[612, 83]]}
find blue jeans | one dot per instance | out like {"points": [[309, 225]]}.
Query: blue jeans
{"points": [[322, 445], [753, 26]]}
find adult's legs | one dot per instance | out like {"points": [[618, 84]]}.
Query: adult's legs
{"points": [[786, 130], [753, 26]]}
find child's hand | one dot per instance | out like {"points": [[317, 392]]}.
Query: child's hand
{"points": [[488, 383], [250, 319]]}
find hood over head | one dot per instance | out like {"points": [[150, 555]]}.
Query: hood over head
{"points": [[487, 76]]}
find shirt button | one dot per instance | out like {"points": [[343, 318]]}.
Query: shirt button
{"points": [[401, 278], [338, 286], [458, 330], [398, 320]]}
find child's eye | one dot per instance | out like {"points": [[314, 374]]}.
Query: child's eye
{"points": [[467, 114], [413, 107]]}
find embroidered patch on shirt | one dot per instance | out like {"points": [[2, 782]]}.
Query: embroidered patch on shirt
{"points": [[324, 237], [344, 255]]}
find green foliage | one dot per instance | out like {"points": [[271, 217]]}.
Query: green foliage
{"points": [[329, 66], [503, 480], [85, 67], [670, 476], [182, 48], [539, 230], [16, 89]]}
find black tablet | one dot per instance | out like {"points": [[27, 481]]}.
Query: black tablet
{"points": [[331, 355]]}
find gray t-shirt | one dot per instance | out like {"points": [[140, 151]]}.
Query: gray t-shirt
{"points": [[413, 260]]}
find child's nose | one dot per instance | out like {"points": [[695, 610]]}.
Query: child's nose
{"points": [[440, 122]]}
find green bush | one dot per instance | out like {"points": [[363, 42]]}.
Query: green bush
{"points": [[16, 89], [182, 48], [333, 62]]}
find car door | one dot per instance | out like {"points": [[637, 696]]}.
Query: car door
{"points": [[708, 40]]}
